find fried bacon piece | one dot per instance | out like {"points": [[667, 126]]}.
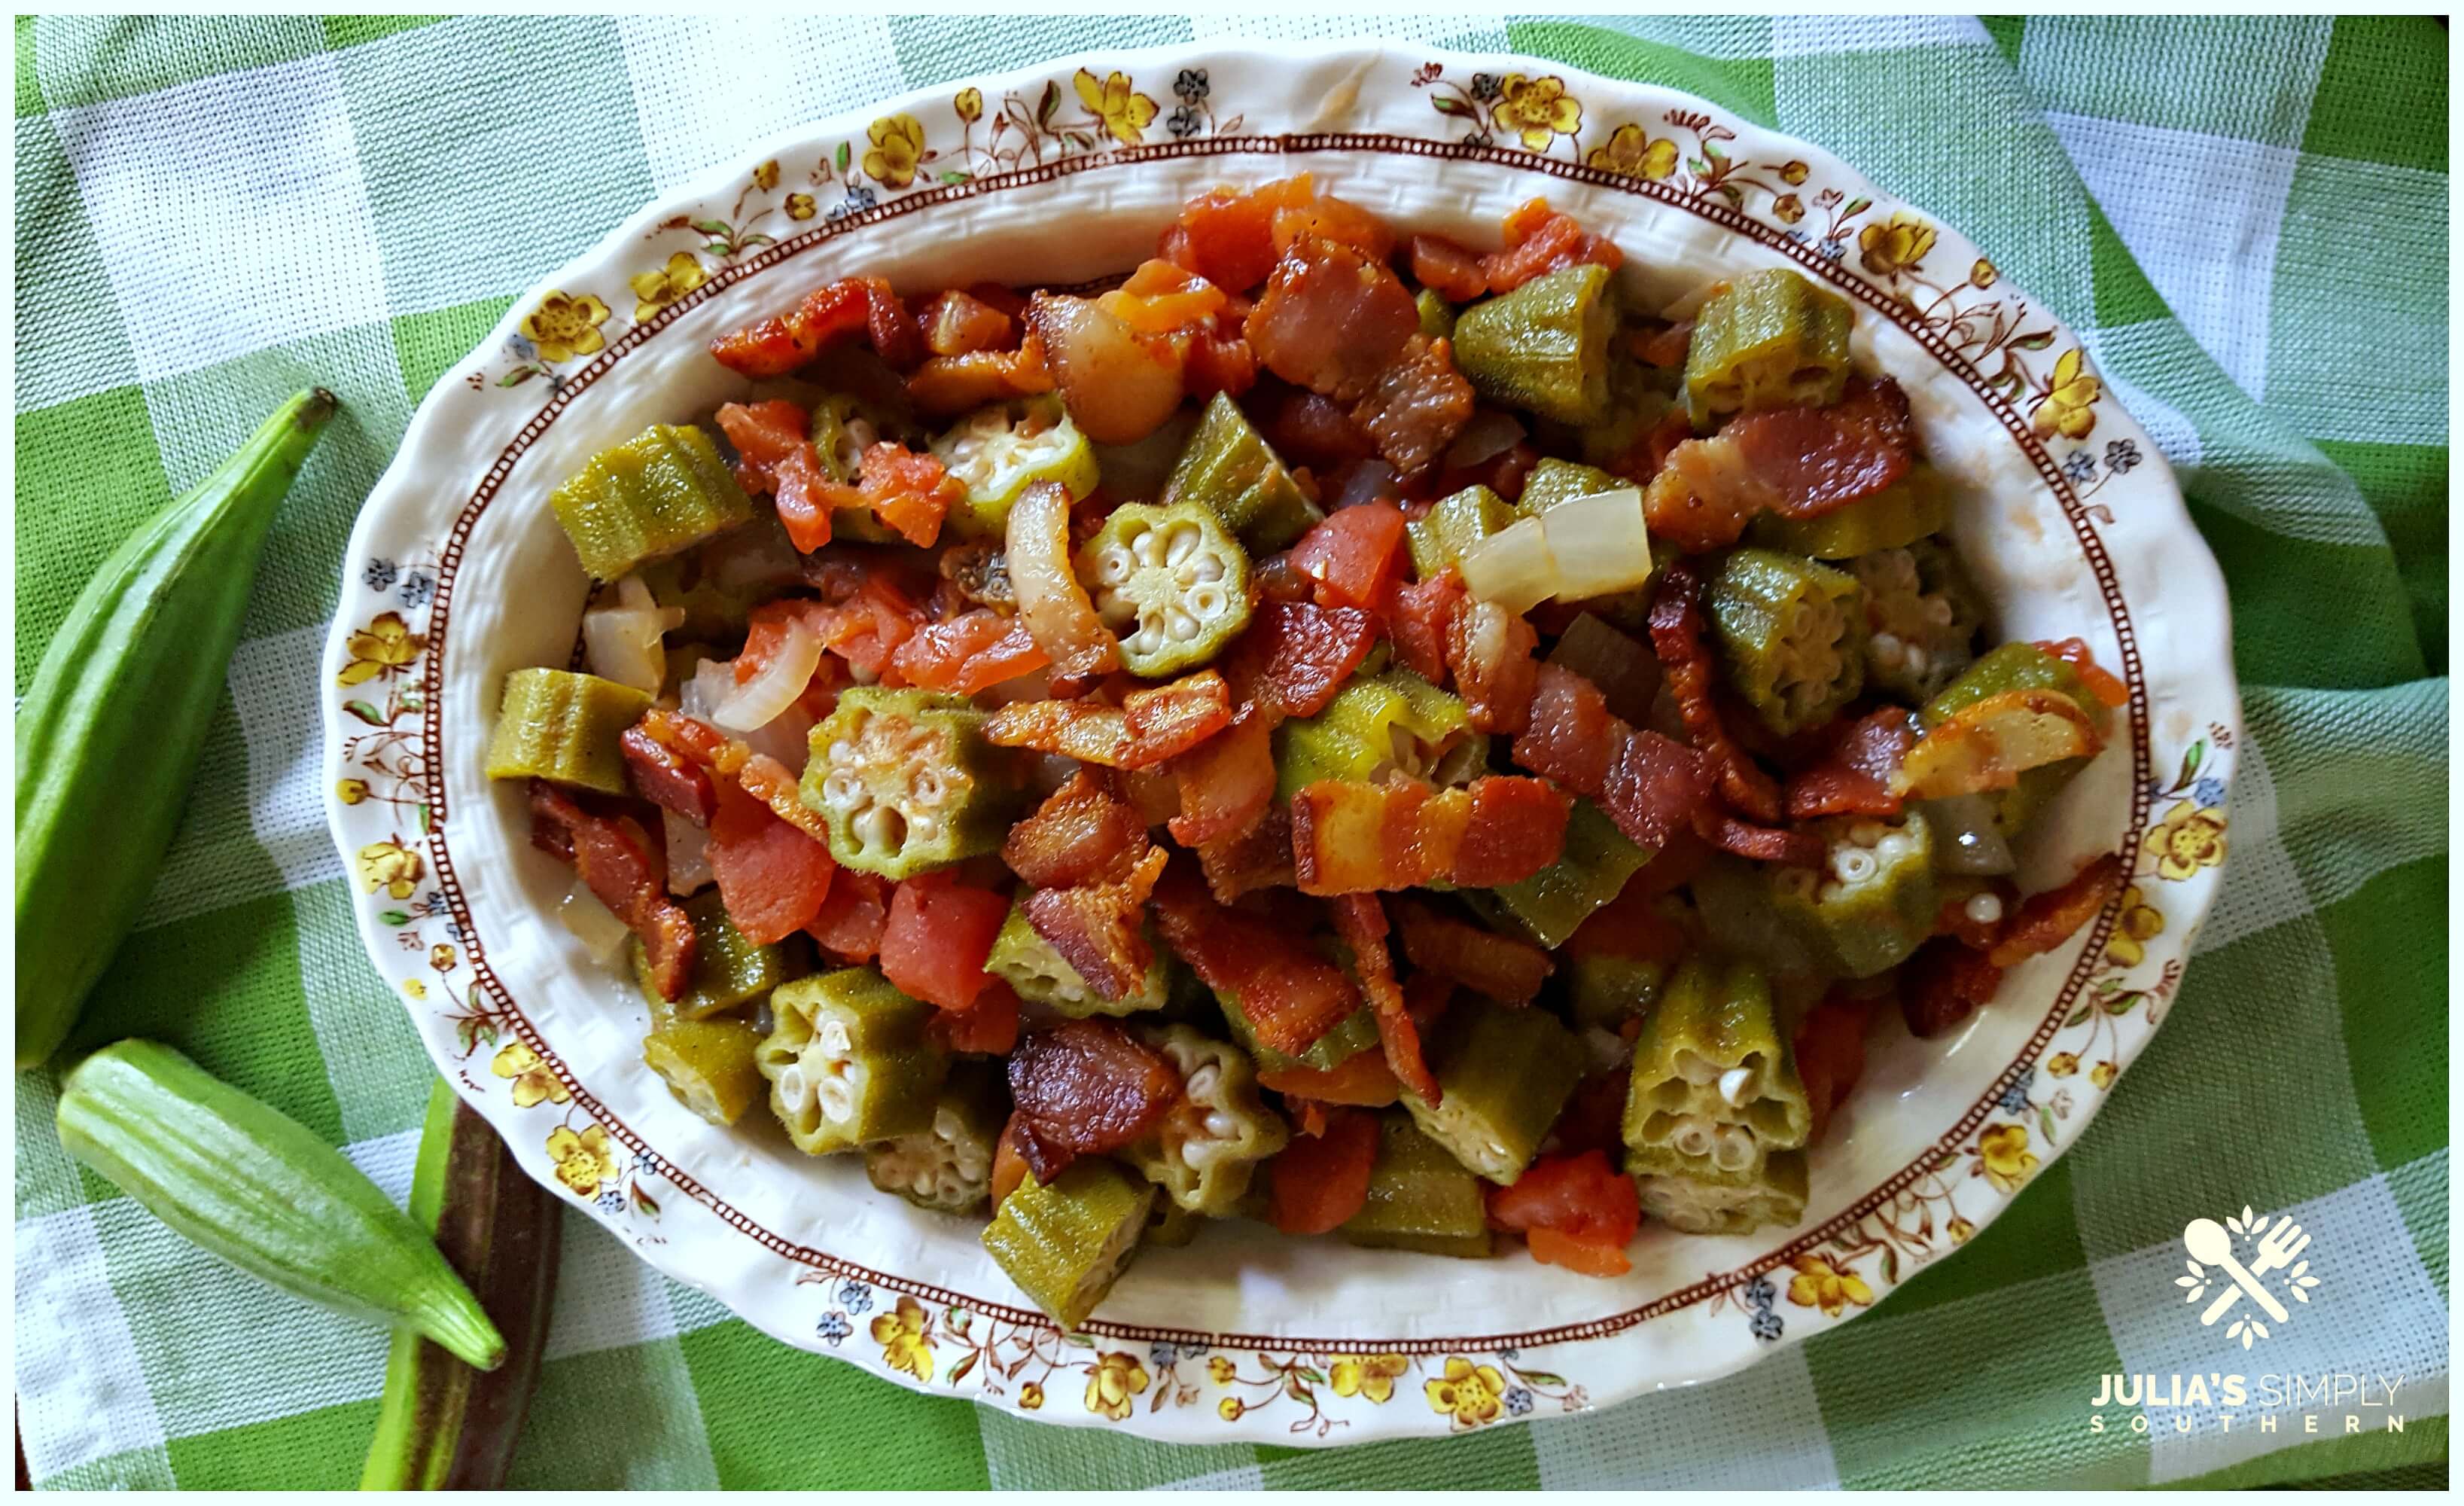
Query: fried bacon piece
{"points": [[1540, 240], [1095, 926], [1227, 782], [1145, 728], [778, 345], [1652, 787], [1942, 983], [1423, 616], [1294, 656], [1497, 967], [2046, 920], [1332, 320], [1084, 1089], [1290, 993], [945, 387], [1349, 836], [1830, 1050], [1490, 651], [1453, 270], [1417, 405], [1083, 833], [617, 862], [1363, 1080], [1763, 844], [765, 435], [1800, 462], [724, 759], [668, 779], [1258, 858], [1360, 921], [958, 323], [1677, 637], [1852, 776]]}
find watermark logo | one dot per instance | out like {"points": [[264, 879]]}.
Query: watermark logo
{"points": [[2231, 1261]]}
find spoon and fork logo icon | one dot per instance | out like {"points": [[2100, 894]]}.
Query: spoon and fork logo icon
{"points": [[2275, 1246]]}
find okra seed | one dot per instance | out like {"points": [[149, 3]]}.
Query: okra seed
{"points": [[1207, 568], [1937, 610], [1184, 625], [1984, 908], [1866, 833], [1736, 1085], [1207, 601], [879, 828], [1855, 865], [1185, 541], [1113, 566], [1735, 1149], [1797, 883], [1694, 1135], [1695, 1069], [1148, 549], [1202, 1083], [1888, 651]]}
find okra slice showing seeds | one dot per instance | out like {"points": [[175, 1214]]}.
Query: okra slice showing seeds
{"points": [[1000, 451], [1036, 969], [660, 492], [708, 1065], [1908, 509], [1792, 635], [1503, 1077], [1693, 1199], [1772, 339], [1421, 1198], [849, 1059], [905, 782], [730, 970], [1395, 723], [1923, 617], [1064, 1245], [1168, 582], [1456, 524], [1713, 1081], [1544, 346], [1874, 899], [1210, 1143], [565, 728], [1228, 467], [948, 1166]]}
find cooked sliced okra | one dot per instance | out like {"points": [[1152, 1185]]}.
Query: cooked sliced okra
{"points": [[1437, 315], [1605, 990], [1421, 1198], [1874, 899], [708, 1065], [1355, 1032], [1453, 526], [1228, 467], [1503, 1076], [1544, 346], [1170, 583], [1714, 1082], [1639, 398], [1552, 481], [1908, 509], [905, 782], [564, 727], [730, 970], [1065, 1244], [1396, 722], [1696, 1199], [997, 452], [1772, 339], [843, 427], [1169, 1226], [849, 1059], [660, 492], [1741, 917], [1040, 975], [2021, 666], [1209, 1146], [1792, 635], [1922, 616], [1590, 871], [948, 1166]]}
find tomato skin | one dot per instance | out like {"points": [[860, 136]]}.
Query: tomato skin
{"points": [[772, 879], [1591, 1257], [1353, 555], [935, 940], [1318, 1183], [850, 921], [1579, 1199], [1225, 236]]}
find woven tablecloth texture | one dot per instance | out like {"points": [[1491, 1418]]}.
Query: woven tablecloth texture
{"points": [[2245, 218]]}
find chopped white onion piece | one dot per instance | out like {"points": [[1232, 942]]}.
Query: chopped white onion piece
{"points": [[1599, 542], [601, 933], [688, 855], [1512, 567], [758, 701], [625, 639], [1490, 431], [712, 681], [786, 737]]}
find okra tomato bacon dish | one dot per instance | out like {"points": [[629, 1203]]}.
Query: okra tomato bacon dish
{"points": [[1344, 729]]}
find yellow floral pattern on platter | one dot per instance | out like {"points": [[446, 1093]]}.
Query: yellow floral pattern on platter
{"points": [[1116, 1381], [1472, 1394], [1631, 153], [653, 291], [1124, 112], [563, 327], [2004, 1153], [1372, 1376], [897, 147], [390, 866], [904, 1333], [385, 647], [583, 1160], [1818, 1284], [533, 1080], [2190, 837], [1536, 110]]}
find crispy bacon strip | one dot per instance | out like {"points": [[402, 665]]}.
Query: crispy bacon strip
{"points": [[1260, 859], [1148, 727], [1942, 983], [1291, 994], [2046, 920], [1330, 319], [1500, 968], [1829, 1049], [778, 346], [767, 780], [1083, 833], [1490, 651], [1360, 919], [1349, 836], [1294, 656], [668, 779], [1363, 1080], [1762, 844], [1226, 783], [626, 875], [1657, 787], [1652, 787], [1854, 774], [1424, 613], [1677, 637], [945, 387], [1800, 462], [1095, 926], [1084, 1089], [1417, 405], [956, 322]]}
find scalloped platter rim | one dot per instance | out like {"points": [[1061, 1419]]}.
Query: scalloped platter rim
{"points": [[1065, 171]]}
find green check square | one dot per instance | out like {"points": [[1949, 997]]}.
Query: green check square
{"points": [[2036, 1236], [320, 1449], [626, 1419], [2247, 77], [930, 51], [2382, 93], [1496, 1458], [741, 1375], [1737, 76], [1022, 1455], [2341, 307], [87, 59], [99, 450], [430, 345], [2407, 486]]}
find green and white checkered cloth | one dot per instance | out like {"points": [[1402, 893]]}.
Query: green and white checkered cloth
{"points": [[2246, 218]]}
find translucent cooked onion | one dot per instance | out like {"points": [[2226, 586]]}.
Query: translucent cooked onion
{"points": [[601, 933], [760, 700], [1489, 433], [1118, 385], [1513, 568], [786, 737], [625, 639], [1691, 305], [1367, 481], [1964, 839], [1599, 542], [712, 681], [688, 856], [1054, 606]]}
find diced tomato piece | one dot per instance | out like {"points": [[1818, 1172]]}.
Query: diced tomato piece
{"points": [[1570, 736], [909, 492], [988, 1028], [1354, 554], [867, 628], [1588, 1210], [937, 940], [766, 631], [1227, 237], [1363, 1080], [968, 654], [778, 345], [851, 919], [1316, 1184], [1829, 1049], [1453, 270], [1160, 299], [958, 323], [763, 434], [1326, 217], [1587, 1256], [1220, 358], [2101, 683], [772, 877], [1420, 614], [1540, 240], [945, 387], [1633, 925]]}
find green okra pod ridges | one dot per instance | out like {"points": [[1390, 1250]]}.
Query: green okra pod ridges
{"points": [[1453, 526], [657, 494], [730, 968], [109, 732], [1503, 1077], [1544, 346], [1392, 722], [1772, 339], [1792, 635], [1419, 1198], [1065, 1244], [440, 1423], [708, 1065], [1228, 466], [563, 727], [1874, 901], [1911, 508], [1713, 1081], [241, 1181]]}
